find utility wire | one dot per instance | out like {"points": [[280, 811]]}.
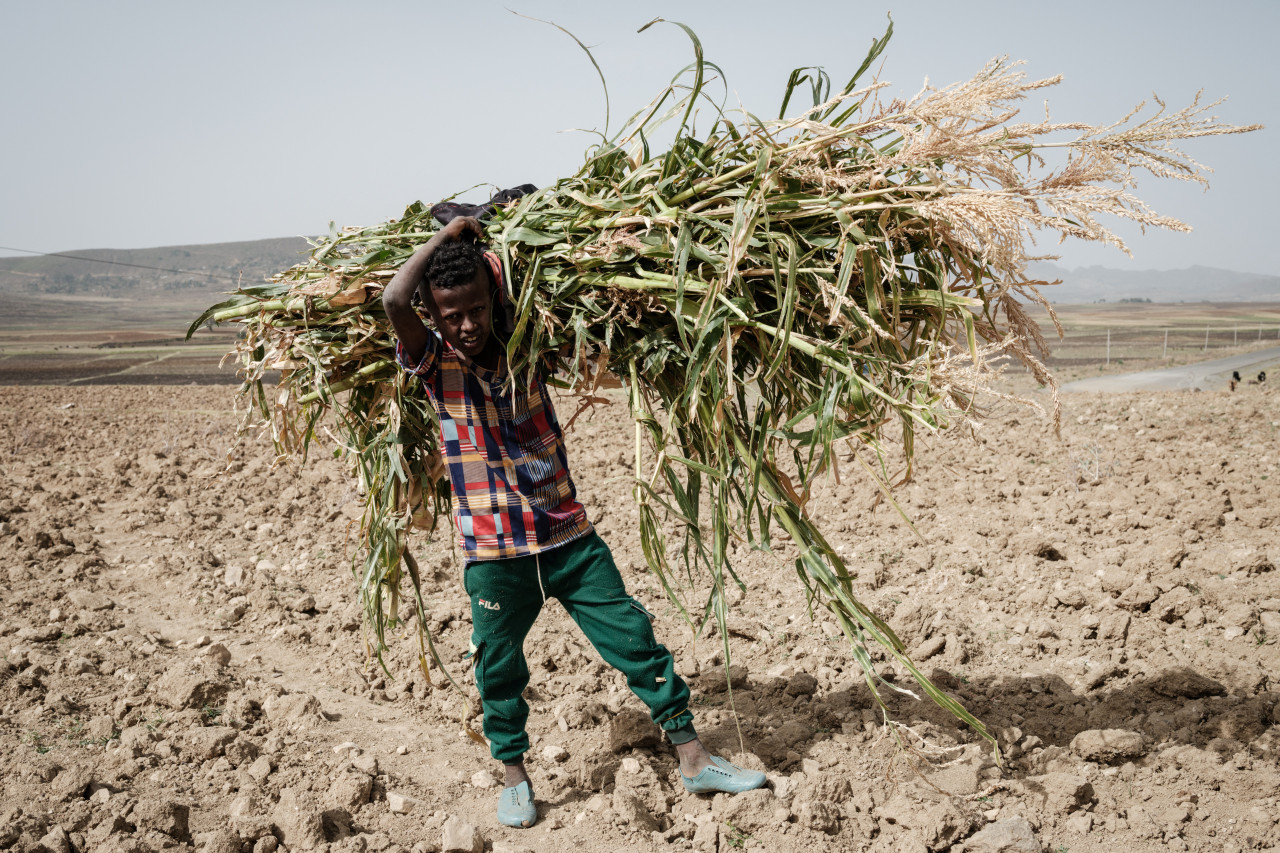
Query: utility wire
{"points": [[120, 263]]}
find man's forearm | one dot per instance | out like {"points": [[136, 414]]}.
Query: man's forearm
{"points": [[400, 290], [397, 299]]}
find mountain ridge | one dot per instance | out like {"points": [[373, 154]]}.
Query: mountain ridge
{"points": [[1190, 284], [207, 270], [208, 267]]}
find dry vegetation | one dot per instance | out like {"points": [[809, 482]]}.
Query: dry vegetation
{"points": [[767, 290]]}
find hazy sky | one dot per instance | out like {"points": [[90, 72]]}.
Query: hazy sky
{"points": [[133, 124]]}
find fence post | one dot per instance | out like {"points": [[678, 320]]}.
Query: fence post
{"points": [[1206, 339], [1108, 346], [1236, 341], [1165, 354]]}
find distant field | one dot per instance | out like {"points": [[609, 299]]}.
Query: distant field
{"points": [[114, 357], [118, 316], [80, 314], [1145, 336], [160, 288], [93, 340]]}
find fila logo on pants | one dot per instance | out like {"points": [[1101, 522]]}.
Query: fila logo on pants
{"points": [[490, 605]]}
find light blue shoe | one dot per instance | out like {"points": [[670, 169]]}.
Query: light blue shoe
{"points": [[515, 806], [721, 776]]}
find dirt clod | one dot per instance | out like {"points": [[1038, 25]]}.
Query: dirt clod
{"points": [[293, 711], [192, 684], [749, 812], [73, 782], [56, 840], [164, 816], [631, 729], [350, 790], [1012, 835], [400, 803], [802, 684], [633, 811], [1108, 745], [458, 836], [298, 820]]}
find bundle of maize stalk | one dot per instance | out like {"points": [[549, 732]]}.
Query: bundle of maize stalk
{"points": [[768, 291]]}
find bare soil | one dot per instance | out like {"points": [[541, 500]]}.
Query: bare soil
{"points": [[182, 662]]}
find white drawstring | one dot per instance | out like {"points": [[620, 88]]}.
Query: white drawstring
{"points": [[537, 568]]}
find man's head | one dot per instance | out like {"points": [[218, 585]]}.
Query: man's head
{"points": [[458, 276]]}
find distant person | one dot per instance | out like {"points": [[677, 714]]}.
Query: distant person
{"points": [[1262, 377], [1235, 377]]}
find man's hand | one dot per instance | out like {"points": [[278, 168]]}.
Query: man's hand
{"points": [[458, 227]]}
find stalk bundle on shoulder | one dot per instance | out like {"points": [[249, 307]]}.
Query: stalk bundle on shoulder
{"points": [[768, 291]]}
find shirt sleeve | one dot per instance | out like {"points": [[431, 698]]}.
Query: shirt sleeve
{"points": [[430, 356]]}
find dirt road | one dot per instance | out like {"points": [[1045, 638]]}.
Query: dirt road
{"points": [[1209, 375]]}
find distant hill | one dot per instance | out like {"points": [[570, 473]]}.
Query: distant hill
{"points": [[164, 287], [1194, 284], [209, 269]]}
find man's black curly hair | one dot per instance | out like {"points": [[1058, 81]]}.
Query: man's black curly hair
{"points": [[455, 264]]}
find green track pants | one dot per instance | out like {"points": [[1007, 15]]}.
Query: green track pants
{"points": [[506, 597]]}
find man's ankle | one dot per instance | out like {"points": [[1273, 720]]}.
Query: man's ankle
{"points": [[514, 774], [693, 756]]}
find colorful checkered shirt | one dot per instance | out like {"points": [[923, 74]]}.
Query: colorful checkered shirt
{"points": [[505, 453]]}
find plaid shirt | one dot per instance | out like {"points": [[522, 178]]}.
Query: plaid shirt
{"points": [[504, 449]]}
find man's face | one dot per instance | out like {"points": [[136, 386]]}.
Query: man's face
{"points": [[465, 319]]}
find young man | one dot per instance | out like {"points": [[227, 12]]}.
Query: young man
{"points": [[524, 533]]}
